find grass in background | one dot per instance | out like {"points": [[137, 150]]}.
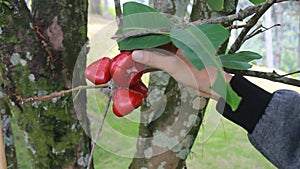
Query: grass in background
{"points": [[227, 147]]}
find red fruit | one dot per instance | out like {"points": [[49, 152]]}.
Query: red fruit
{"points": [[119, 75], [124, 70], [125, 101], [134, 78], [139, 66], [123, 60], [140, 87], [99, 71]]}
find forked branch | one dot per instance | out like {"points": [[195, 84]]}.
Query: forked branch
{"points": [[241, 38]]}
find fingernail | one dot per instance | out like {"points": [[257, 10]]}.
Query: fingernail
{"points": [[137, 55]]}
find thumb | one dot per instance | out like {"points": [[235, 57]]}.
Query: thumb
{"points": [[151, 58]]}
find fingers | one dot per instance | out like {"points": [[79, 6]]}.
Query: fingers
{"points": [[180, 69], [155, 59]]}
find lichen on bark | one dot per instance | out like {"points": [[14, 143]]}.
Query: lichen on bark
{"points": [[38, 51]]}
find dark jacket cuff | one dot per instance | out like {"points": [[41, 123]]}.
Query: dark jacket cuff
{"points": [[252, 106]]}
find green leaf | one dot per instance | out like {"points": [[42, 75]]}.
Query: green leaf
{"points": [[139, 17], [195, 45], [257, 1], [216, 33], [200, 51], [130, 8], [143, 42], [239, 60], [216, 5], [144, 21]]}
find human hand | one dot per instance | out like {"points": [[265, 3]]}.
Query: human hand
{"points": [[182, 70]]}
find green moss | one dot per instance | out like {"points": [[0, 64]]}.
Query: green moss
{"points": [[53, 134]]}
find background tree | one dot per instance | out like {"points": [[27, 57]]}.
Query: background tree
{"points": [[38, 50], [96, 6]]}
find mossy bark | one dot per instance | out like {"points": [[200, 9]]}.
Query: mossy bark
{"points": [[38, 50], [172, 115], [8, 137]]}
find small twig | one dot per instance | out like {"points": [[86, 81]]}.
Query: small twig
{"points": [[165, 30], [237, 26], [241, 38], [59, 94], [184, 165], [258, 30], [273, 76], [298, 71], [99, 130]]}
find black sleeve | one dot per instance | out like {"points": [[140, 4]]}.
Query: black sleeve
{"points": [[252, 106]]}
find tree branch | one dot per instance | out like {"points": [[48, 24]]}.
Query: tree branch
{"points": [[242, 14], [273, 76], [59, 94], [298, 71], [241, 38], [119, 15]]}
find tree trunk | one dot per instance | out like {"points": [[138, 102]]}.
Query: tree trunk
{"points": [[38, 53], [106, 10], [95, 7], [298, 51], [269, 39], [172, 115], [8, 137], [278, 17], [181, 8]]}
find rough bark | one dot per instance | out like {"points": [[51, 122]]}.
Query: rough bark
{"points": [[165, 6], [181, 8], [38, 53], [8, 137], [171, 116]]}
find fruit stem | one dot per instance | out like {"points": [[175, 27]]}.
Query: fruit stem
{"points": [[99, 129]]}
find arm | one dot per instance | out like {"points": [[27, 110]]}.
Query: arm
{"points": [[272, 120]]}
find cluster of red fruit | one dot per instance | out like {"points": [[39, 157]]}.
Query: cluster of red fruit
{"points": [[127, 74]]}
